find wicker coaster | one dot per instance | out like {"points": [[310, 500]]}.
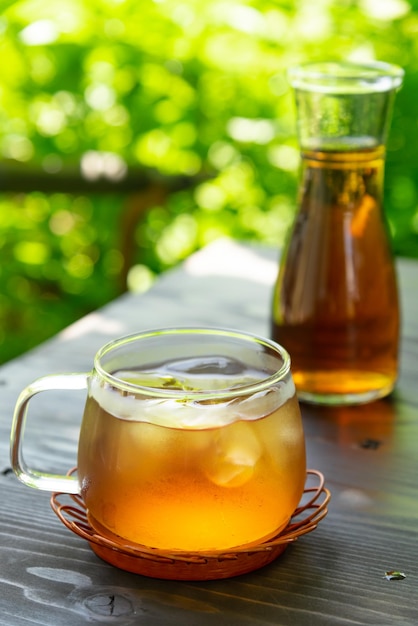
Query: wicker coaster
{"points": [[177, 565]]}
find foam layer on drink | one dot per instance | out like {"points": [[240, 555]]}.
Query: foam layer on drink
{"points": [[193, 376]]}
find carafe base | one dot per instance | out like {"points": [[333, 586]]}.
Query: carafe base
{"points": [[341, 388]]}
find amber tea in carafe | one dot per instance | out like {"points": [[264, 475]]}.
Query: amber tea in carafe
{"points": [[335, 304]]}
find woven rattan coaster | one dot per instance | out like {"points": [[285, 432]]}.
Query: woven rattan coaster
{"points": [[177, 565]]}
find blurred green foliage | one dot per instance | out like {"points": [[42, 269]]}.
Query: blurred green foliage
{"points": [[182, 86]]}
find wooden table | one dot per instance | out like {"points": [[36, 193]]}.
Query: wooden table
{"points": [[334, 575]]}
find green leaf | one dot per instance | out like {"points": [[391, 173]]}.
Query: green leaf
{"points": [[5, 4]]}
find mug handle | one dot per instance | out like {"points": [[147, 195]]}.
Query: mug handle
{"points": [[30, 477]]}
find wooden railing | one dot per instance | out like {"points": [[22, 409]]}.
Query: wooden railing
{"points": [[140, 189]]}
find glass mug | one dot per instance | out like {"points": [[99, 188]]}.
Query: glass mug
{"points": [[191, 440]]}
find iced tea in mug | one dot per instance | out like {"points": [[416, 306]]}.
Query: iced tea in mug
{"points": [[191, 440]]}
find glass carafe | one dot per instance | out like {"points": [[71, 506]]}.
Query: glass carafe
{"points": [[335, 303]]}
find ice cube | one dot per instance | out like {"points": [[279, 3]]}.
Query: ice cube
{"points": [[232, 460], [211, 373], [207, 365], [264, 402]]}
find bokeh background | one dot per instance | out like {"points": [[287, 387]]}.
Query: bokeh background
{"points": [[133, 132]]}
